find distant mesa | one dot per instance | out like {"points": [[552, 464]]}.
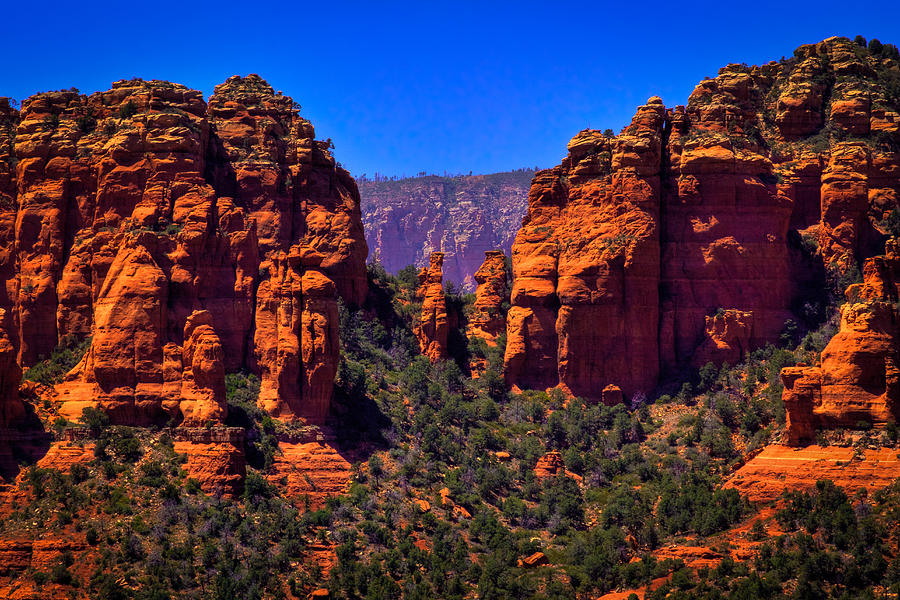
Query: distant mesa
{"points": [[462, 216]]}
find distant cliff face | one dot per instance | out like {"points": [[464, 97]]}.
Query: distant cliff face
{"points": [[670, 244], [185, 238], [463, 217]]}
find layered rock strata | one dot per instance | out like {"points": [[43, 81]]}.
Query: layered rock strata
{"points": [[462, 216], [859, 377], [433, 325], [668, 245], [131, 210]]}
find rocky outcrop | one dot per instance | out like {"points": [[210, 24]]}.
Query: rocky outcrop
{"points": [[859, 377], [203, 372], [269, 161], [668, 245], [778, 468], [310, 472], [12, 410], [463, 217], [297, 336], [487, 320], [726, 338], [135, 208], [433, 325]]}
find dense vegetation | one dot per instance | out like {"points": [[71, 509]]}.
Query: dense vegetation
{"points": [[461, 488], [449, 502]]}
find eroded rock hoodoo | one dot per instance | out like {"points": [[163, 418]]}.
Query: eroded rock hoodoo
{"points": [[859, 378], [434, 325], [133, 209]]}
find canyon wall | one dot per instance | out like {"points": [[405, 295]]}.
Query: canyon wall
{"points": [[676, 242], [186, 239], [462, 216]]}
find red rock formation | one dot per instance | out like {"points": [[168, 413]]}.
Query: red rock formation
{"points": [[551, 464], [633, 244], [433, 325], [727, 338], [297, 336], [612, 395], [215, 458], [312, 471], [461, 216], [138, 207], [859, 378], [532, 561], [780, 468], [487, 320], [203, 373], [289, 181]]}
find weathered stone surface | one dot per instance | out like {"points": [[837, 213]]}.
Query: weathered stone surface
{"points": [[132, 209], [859, 378], [461, 216], [310, 472], [634, 244], [727, 338], [203, 372], [12, 410], [433, 326], [218, 467], [487, 320], [288, 180], [778, 468], [297, 336]]}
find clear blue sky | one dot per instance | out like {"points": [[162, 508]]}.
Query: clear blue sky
{"points": [[426, 86]]}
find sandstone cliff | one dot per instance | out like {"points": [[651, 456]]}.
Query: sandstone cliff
{"points": [[859, 378], [668, 245], [461, 216], [132, 209]]}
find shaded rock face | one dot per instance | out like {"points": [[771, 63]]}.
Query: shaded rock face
{"points": [[462, 216], [667, 246], [859, 378], [132, 209], [12, 410], [433, 326], [727, 338]]}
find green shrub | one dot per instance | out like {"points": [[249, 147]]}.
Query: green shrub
{"points": [[63, 358], [128, 110]]}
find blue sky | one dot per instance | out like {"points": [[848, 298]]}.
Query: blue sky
{"points": [[428, 86]]}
